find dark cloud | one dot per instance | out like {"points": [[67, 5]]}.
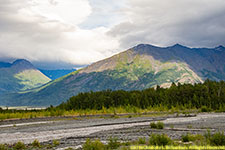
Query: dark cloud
{"points": [[189, 22]]}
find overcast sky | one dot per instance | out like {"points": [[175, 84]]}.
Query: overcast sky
{"points": [[65, 33]]}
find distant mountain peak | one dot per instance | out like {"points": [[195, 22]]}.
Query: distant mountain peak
{"points": [[21, 61], [177, 45], [220, 48], [141, 46], [22, 64]]}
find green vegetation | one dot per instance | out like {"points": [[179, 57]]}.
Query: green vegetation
{"points": [[216, 139], [3, 147], [153, 125], [113, 143], [210, 94], [55, 143], [128, 71], [36, 143], [205, 109], [187, 138], [158, 125], [31, 79], [20, 76], [159, 140], [93, 145], [19, 146], [141, 141]]}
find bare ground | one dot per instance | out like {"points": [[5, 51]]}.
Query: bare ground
{"points": [[72, 132]]}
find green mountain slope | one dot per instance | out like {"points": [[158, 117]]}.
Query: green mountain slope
{"points": [[140, 67], [21, 75]]}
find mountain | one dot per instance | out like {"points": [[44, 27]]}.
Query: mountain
{"points": [[21, 75], [55, 74], [140, 67], [4, 64]]}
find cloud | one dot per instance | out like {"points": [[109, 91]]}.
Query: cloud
{"points": [[48, 31], [189, 22], [79, 32], [106, 13]]}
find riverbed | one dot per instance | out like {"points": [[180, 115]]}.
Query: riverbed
{"points": [[73, 131]]}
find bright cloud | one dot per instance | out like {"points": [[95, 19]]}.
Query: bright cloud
{"points": [[80, 32], [41, 30]]}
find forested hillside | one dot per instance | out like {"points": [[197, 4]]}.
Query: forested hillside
{"points": [[210, 94]]}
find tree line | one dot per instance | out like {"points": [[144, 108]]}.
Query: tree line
{"points": [[210, 94]]}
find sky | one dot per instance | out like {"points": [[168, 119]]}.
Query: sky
{"points": [[76, 33]]}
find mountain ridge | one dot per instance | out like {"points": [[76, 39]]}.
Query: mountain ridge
{"points": [[137, 68], [19, 76]]}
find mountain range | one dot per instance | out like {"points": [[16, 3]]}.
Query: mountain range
{"points": [[21, 75], [137, 68]]}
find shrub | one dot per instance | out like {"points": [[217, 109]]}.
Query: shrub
{"points": [[153, 125], [36, 143], [142, 140], [205, 109], [93, 145], [55, 143], [198, 139], [187, 138], [19, 145], [160, 140], [113, 143], [218, 139], [3, 147], [160, 125], [208, 135]]}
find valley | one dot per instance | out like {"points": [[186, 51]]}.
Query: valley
{"points": [[112, 75], [72, 132]]}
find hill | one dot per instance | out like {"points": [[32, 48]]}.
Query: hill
{"points": [[55, 74], [140, 67], [21, 75]]}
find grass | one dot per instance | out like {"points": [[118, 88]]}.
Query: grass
{"points": [[55, 142], [36, 143], [19, 146], [205, 109], [93, 145], [130, 110], [141, 141], [216, 139], [159, 140], [163, 140], [31, 79]]}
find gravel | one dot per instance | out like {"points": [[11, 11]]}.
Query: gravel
{"points": [[73, 132]]}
